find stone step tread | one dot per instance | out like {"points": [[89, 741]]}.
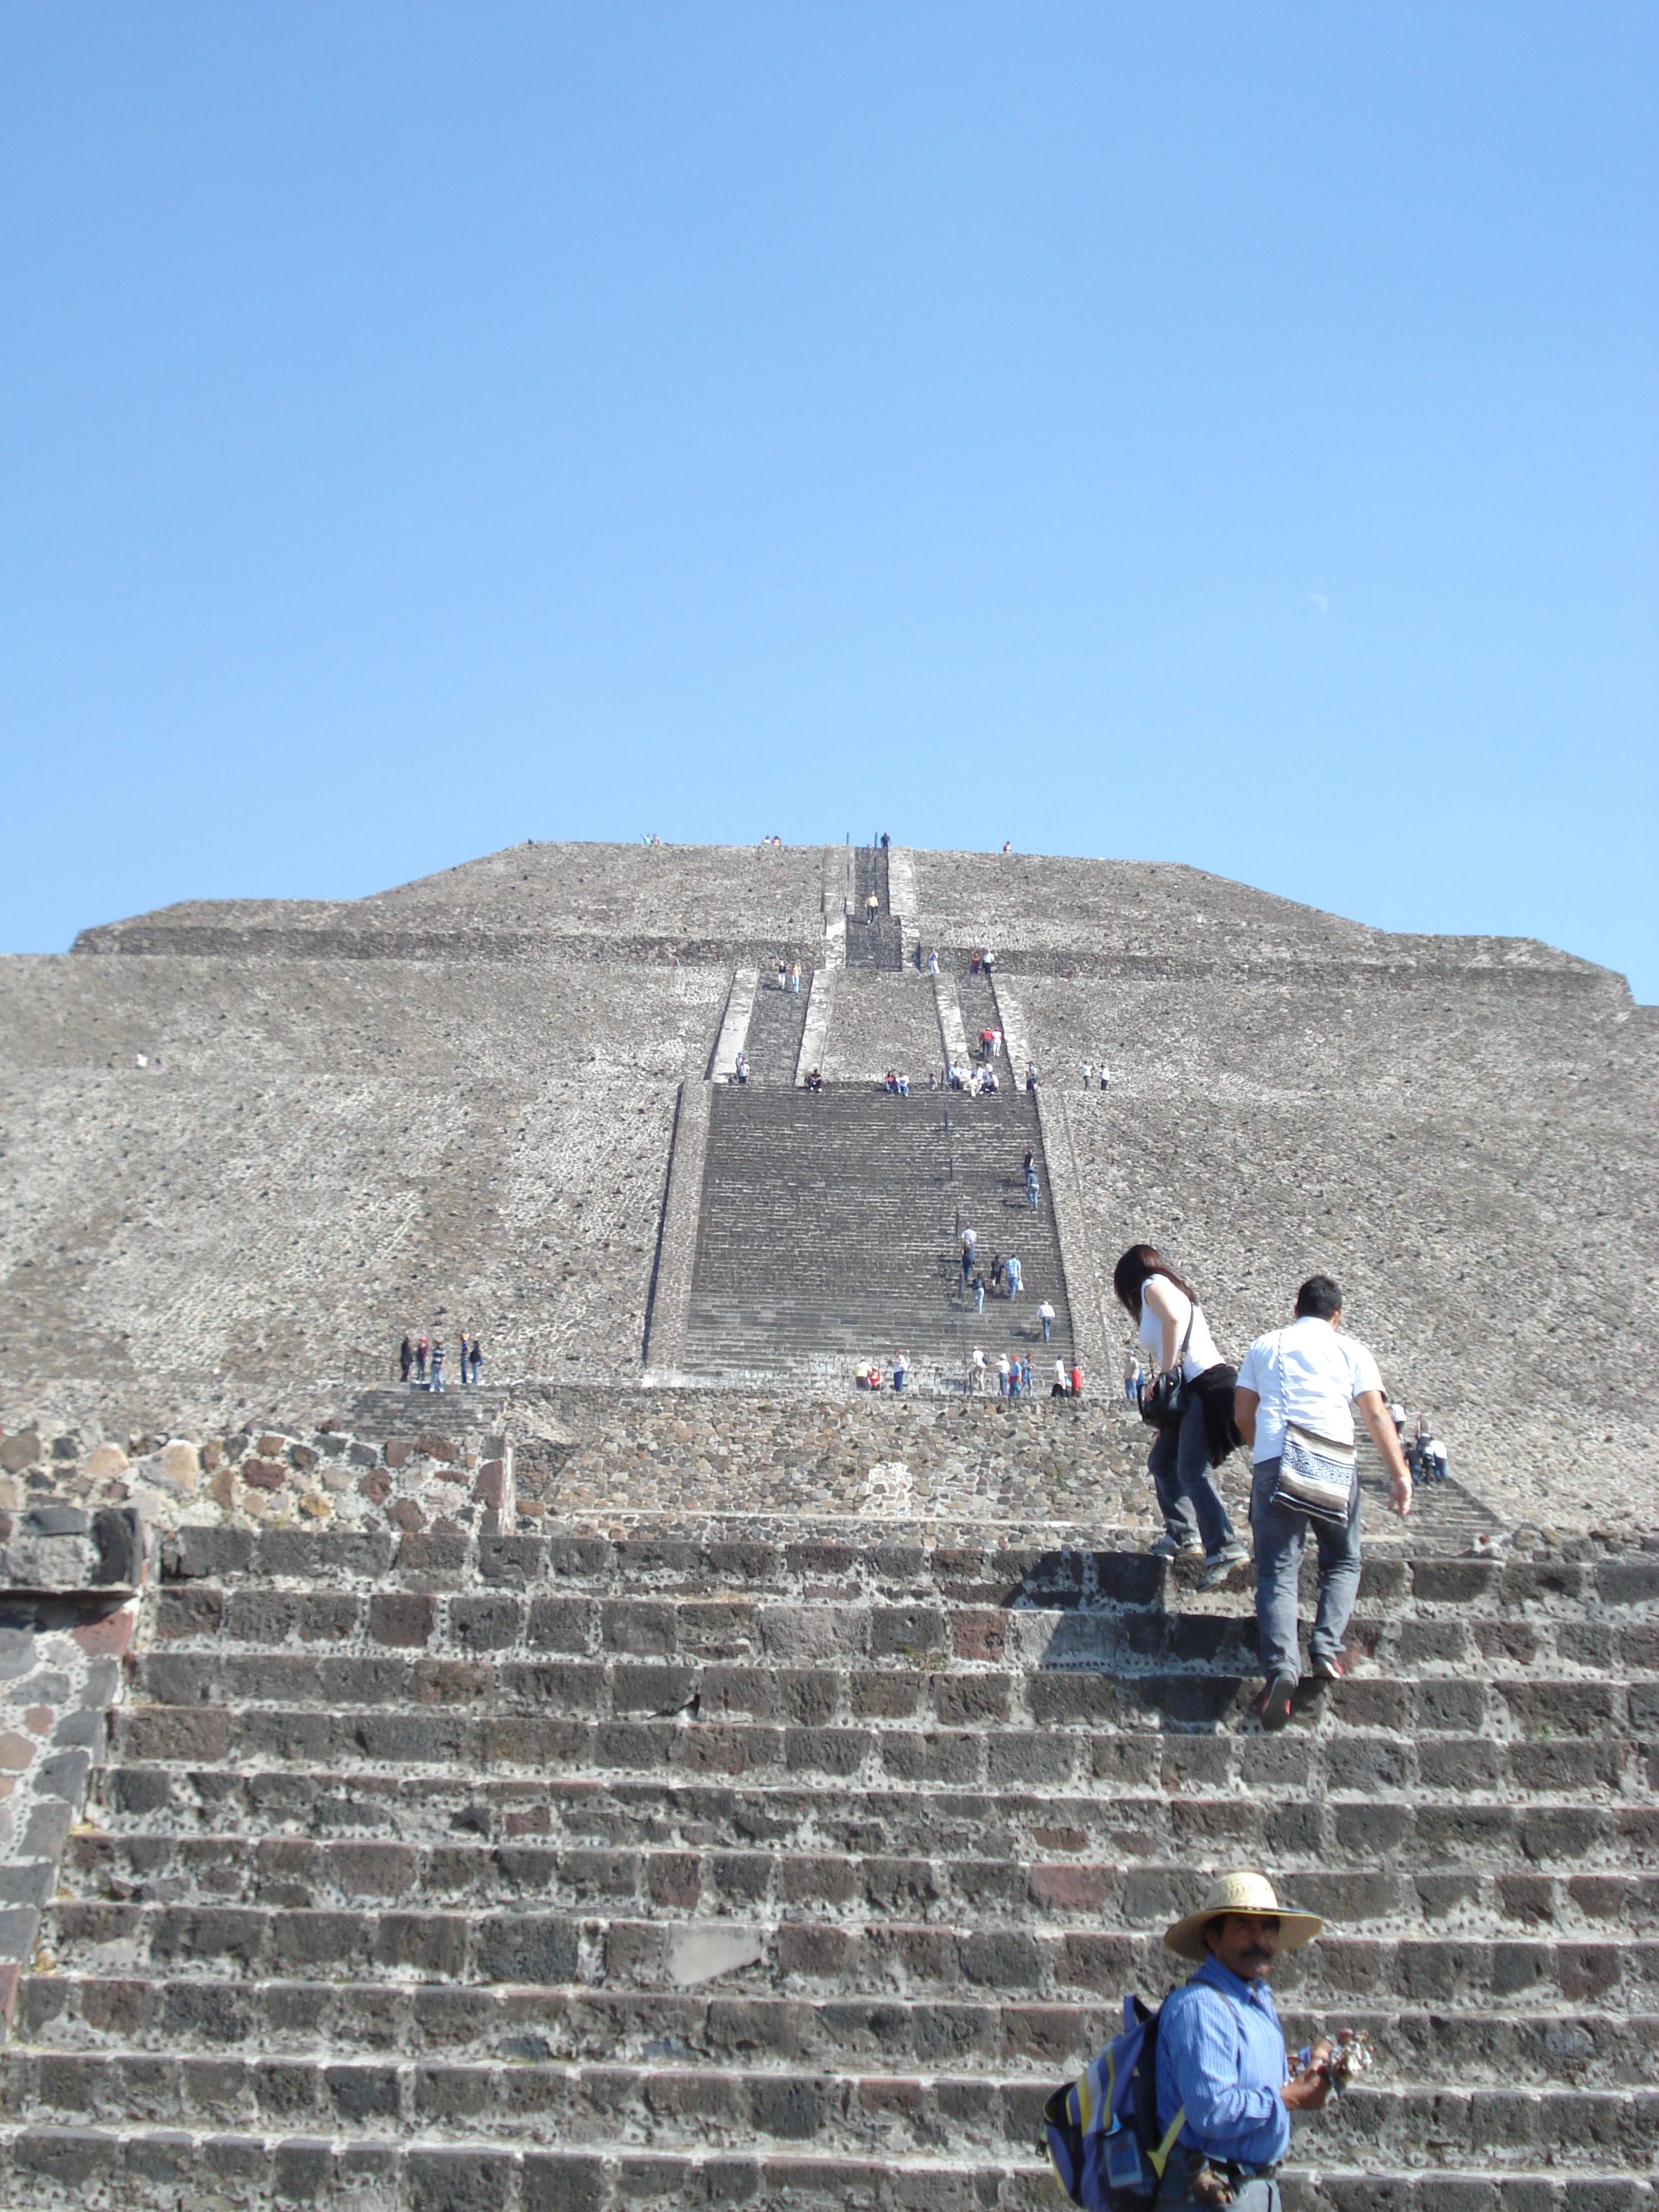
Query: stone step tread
{"points": [[332, 2022], [662, 2105], [810, 1630], [146, 2168], [226, 1866], [1349, 1760], [563, 1663], [1166, 1793], [470, 1947], [1056, 1572]]}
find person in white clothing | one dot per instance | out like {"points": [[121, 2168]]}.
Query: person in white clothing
{"points": [[1310, 1378], [1195, 1440]]}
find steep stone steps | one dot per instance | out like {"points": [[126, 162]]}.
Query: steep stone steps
{"points": [[709, 2108], [878, 944], [699, 1845], [89, 2016], [1143, 1800], [156, 2171], [322, 1873], [773, 1046], [208, 1635], [876, 1749], [1009, 1567], [408, 1410], [830, 1222], [851, 1959]]}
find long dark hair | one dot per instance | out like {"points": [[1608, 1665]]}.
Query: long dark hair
{"points": [[1130, 1274]]}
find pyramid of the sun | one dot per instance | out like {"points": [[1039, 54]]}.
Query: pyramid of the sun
{"points": [[664, 1772], [249, 1143]]}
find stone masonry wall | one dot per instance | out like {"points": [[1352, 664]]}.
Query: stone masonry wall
{"points": [[882, 1021], [316, 1156]]}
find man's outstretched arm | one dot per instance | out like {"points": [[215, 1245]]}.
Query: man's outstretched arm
{"points": [[1374, 1414]]}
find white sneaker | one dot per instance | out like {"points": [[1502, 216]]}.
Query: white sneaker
{"points": [[1219, 1565]]}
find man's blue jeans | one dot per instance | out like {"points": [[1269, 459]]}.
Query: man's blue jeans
{"points": [[1279, 1536]]}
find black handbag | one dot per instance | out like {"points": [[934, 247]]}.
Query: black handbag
{"points": [[1166, 1397]]}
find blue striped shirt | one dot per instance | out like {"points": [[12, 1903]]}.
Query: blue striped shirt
{"points": [[1221, 2054]]}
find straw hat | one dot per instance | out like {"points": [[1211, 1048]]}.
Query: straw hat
{"points": [[1242, 1892]]}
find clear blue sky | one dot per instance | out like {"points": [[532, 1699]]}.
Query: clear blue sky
{"points": [[1212, 433]]}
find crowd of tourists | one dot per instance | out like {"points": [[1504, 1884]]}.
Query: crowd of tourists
{"points": [[423, 1362]]}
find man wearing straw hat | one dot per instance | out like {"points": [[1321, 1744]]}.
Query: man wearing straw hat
{"points": [[1222, 2066]]}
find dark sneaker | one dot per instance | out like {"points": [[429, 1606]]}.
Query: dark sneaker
{"points": [[1326, 1670], [1219, 1565], [1276, 1703]]}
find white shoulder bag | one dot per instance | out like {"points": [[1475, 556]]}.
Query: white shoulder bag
{"points": [[1316, 1473]]}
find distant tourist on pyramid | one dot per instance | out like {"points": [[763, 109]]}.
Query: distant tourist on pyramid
{"points": [[1046, 1316], [932, 963], [977, 1368], [1012, 1272], [872, 906], [969, 1239], [437, 1381], [1297, 1388], [420, 1360], [461, 1362], [1088, 1074], [1002, 1374], [475, 1359], [1061, 1386], [1195, 1423], [794, 977], [978, 1288], [405, 1360], [1105, 1077], [1076, 1381], [901, 1370]]}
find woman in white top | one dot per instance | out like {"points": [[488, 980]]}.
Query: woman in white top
{"points": [[1175, 1334]]}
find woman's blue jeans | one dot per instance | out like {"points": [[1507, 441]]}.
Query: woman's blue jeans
{"points": [[1187, 1495]]}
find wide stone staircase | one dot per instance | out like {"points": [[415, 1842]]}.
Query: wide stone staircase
{"points": [[831, 1226], [792, 1863]]}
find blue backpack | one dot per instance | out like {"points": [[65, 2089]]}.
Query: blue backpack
{"points": [[1103, 2141]]}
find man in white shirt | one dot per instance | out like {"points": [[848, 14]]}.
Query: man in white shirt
{"points": [[1310, 1375]]}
